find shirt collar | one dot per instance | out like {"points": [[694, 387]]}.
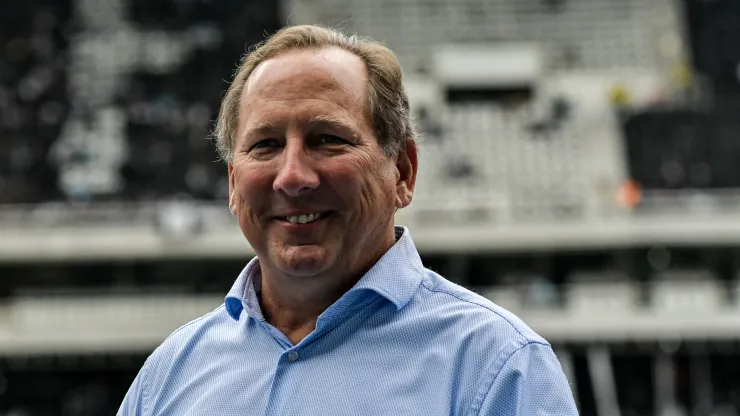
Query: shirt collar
{"points": [[244, 294], [395, 277]]}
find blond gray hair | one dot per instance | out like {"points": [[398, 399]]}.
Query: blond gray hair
{"points": [[387, 101]]}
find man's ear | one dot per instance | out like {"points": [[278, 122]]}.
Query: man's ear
{"points": [[407, 163], [232, 191]]}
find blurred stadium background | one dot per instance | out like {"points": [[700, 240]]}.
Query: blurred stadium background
{"points": [[581, 168]]}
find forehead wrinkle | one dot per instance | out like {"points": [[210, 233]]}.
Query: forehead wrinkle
{"points": [[294, 84], [320, 118]]}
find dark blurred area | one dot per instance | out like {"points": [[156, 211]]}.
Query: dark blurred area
{"points": [[696, 146], [114, 100]]}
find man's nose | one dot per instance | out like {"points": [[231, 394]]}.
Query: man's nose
{"points": [[297, 175]]}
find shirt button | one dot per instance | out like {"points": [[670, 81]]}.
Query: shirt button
{"points": [[293, 355]]}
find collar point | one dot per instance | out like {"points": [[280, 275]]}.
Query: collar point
{"points": [[234, 307]]}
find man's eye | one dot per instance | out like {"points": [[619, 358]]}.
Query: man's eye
{"points": [[329, 139], [265, 144]]}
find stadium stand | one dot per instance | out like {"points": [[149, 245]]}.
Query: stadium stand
{"points": [[694, 145], [577, 33], [99, 101]]}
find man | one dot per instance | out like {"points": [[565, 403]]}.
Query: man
{"points": [[337, 315]]}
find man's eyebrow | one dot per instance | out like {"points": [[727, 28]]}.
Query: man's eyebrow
{"points": [[332, 121], [339, 123], [260, 127], [327, 119]]}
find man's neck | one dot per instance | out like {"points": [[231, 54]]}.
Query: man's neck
{"points": [[295, 312], [293, 304]]}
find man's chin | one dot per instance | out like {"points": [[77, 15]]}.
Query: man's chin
{"points": [[305, 260]]}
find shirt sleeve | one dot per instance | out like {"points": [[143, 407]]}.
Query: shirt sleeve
{"points": [[133, 403], [530, 383]]}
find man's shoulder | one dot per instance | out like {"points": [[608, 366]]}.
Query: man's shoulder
{"points": [[195, 351], [188, 339], [469, 307]]}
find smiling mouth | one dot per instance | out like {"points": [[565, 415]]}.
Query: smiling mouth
{"points": [[305, 218]]}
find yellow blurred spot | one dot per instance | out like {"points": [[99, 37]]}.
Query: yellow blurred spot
{"points": [[619, 95], [681, 76]]}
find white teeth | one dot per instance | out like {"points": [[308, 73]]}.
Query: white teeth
{"points": [[303, 218]]}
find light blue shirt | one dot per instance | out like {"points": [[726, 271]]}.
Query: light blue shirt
{"points": [[402, 341]]}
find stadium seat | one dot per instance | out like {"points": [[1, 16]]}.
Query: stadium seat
{"points": [[602, 294], [686, 293]]}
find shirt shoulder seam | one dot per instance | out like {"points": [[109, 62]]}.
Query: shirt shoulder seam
{"points": [[145, 388], [194, 321], [148, 363], [482, 306], [488, 386]]}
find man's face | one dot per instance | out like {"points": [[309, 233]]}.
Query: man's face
{"points": [[312, 189]]}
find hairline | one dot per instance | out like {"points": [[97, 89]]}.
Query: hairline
{"points": [[375, 57]]}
